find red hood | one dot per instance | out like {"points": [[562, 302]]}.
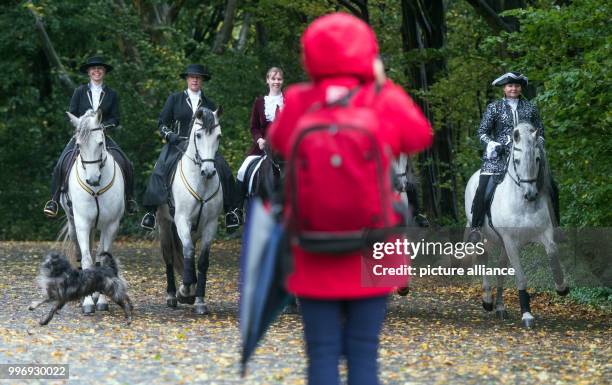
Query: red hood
{"points": [[339, 44]]}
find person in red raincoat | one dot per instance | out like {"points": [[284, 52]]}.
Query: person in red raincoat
{"points": [[341, 315]]}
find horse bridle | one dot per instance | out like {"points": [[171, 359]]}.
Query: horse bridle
{"points": [[101, 160], [404, 185], [198, 160], [518, 179]]}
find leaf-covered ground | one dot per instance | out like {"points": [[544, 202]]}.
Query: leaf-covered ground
{"points": [[436, 335]]}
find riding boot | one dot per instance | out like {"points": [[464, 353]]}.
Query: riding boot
{"points": [[232, 200], [478, 209], [57, 178]]}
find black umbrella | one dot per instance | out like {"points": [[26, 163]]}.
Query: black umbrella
{"points": [[264, 266]]}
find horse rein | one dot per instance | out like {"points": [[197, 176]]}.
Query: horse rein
{"points": [[518, 179]]}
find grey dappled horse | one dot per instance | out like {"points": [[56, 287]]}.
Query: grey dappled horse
{"points": [[521, 213], [198, 201], [95, 196]]}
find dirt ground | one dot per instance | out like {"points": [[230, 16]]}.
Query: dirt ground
{"points": [[435, 335]]}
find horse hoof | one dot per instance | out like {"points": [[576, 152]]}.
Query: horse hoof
{"points": [[200, 309], [89, 309], [529, 323], [171, 302], [488, 306], [403, 291], [189, 300], [502, 314], [102, 306], [564, 292]]}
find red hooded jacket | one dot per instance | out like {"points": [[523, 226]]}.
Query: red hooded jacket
{"points": [[338, 54]]}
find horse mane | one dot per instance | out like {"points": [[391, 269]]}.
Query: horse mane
{"points": [[544, 172], [83, 130], [207, 117]]}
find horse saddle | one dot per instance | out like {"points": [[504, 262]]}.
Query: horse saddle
{"points": [[251, 172]]}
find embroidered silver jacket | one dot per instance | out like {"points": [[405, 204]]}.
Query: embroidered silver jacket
{"points": [[497, 125]]}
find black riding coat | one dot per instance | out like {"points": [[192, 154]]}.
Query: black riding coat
{"points": [[81, 101], [176, 117], [177, 113]]}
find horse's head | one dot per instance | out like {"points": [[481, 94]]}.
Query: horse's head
{"points": [[90, 141], [205, 137], [526, 159]]}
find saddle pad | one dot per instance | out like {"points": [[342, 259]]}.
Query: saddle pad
{"points": [[252, 171]]}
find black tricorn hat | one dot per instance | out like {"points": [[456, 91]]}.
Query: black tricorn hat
{"points": [[95, 61], [196, 69], [511, 78]]}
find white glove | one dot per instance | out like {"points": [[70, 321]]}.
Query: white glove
{"points": [[492, 149], [261, 142]]}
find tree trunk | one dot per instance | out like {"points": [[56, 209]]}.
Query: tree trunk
{"points": [[225, 33], [489, 10], [244, 32], [52, 57], [423, 27], [262, 36], [358, 8]]}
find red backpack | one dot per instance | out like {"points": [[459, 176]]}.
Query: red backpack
{"points": [[338, 178]]}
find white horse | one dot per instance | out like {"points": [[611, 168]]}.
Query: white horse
{"points": [[403, 175], [521, 213], [95, 197], [198, 201]]}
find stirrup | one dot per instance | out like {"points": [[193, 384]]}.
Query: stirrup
{"points": [[146, 221], [475, 235], [51, 208], [232, 221]]}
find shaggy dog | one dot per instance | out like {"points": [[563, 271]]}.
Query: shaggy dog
{"points": [[61, 283]]}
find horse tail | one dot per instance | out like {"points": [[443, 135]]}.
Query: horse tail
{"points": [[67, 245], [178, 251]]}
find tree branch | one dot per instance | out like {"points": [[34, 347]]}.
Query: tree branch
{"points": [[244, 32], [225, 33], [50, 53], [496, 23]]}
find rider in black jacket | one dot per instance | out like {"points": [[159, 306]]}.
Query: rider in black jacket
{"points": [[97, 96], [173, 125]]}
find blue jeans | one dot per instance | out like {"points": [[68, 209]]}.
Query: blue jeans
{"points": [[347, 328]]}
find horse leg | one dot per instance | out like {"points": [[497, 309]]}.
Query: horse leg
{"points": [[185, 295], [487, 295], [106, 242], [83, 234], [500, 307], [203, 263], [166, 239], [521, 282], [553, 258]]}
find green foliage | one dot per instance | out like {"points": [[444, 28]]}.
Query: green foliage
{"points": [[563, 50], [595, 296], [566, 50]]}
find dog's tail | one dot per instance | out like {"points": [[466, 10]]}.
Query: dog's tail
{"points": [[107, 259], [66, 244]]}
